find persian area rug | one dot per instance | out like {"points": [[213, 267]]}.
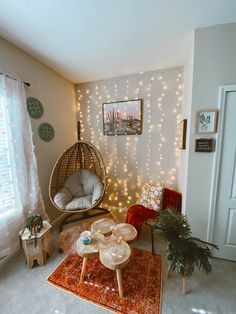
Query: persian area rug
{"points": [[141, 278]]}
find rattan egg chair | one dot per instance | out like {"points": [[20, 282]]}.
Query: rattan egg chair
{"points": [[82, 155]]}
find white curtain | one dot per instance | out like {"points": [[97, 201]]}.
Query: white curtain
{"points": [[20, 195]]}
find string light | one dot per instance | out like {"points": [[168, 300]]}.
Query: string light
{"points": [[133, 160]]}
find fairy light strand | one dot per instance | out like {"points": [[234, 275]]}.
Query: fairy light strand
{"points": [[132, 160]]}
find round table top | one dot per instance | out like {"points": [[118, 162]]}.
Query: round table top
{"points": [[126, 231], [103, 226], [114, 254], [91, 249]]}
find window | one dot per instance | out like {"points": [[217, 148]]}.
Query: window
{"points": [[7, 201], [20, 195]]}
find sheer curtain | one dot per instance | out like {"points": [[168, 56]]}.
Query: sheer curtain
{"points": [[20, 194]]}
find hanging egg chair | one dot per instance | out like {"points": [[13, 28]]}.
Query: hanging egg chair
{"points": [[78, 182]]}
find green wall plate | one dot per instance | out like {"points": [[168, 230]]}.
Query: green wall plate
{"points": [[46, 132], [34, 107]]}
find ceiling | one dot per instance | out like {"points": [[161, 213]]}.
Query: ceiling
{"points": [[87, 40]]}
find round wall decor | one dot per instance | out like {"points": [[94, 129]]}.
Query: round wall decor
{"points": [[46, 132], [34, 107]]}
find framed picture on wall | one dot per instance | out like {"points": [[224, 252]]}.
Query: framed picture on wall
{"points": [[206, 121], [182, 133], [122, 117]]}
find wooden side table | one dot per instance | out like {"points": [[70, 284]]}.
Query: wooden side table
{"points": [[87, 251], [109, 242], [115, 255], [42, 248]]}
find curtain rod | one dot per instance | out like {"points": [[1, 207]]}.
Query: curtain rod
{"points": [[26, 83]]}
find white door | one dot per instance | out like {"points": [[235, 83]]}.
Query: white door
{"points": [[224, 232]]}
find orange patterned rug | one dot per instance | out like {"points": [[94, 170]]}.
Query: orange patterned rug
{"points": [[141, 278]]}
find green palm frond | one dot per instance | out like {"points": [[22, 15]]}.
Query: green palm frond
{"points": [[171, 225], [184, 252]]}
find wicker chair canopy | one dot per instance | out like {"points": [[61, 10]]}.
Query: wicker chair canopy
{"points": [[81, 155]]}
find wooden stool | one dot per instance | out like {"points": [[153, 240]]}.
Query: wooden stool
{"points": [[115, 255], [87, 251], [42, 248]]}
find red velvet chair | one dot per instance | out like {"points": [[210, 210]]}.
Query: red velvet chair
{"points": [[138, 214]]}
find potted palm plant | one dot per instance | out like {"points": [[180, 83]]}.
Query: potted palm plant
{"points": [[185, 252]]}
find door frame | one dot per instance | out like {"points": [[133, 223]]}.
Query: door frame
{"points": [[223, 90]]}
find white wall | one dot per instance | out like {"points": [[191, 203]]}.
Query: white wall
{"points": [[136, 159], [57, 97], [214, 65], [186, 114]]}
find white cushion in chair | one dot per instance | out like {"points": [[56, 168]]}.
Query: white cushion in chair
{"points": [[89, 181], [62, 198], [74, 184], [80, 202], [97, 192], [85, 189]]}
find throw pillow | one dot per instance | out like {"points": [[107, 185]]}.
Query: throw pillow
{"points": [[151, 196]]}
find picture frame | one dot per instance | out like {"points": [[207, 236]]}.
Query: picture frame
{"points": [[122, 117], [182, 134], [206, 121]]}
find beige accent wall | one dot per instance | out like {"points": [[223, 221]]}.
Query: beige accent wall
{"points": [[214, 64], [57, 96], [136, 159]]}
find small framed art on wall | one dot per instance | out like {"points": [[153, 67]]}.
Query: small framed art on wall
{"points": [[206, 121]]}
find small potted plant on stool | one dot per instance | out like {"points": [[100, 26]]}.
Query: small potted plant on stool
{"points": [[184, 252]]}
